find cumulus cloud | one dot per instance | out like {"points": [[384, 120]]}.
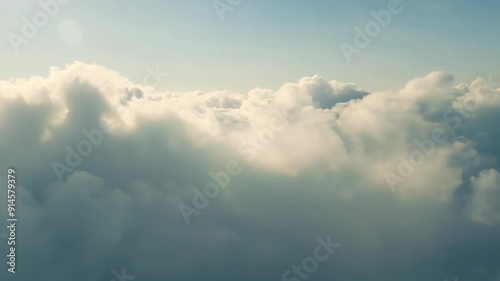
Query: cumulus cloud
{"points": [[485, 206], [322, 170]]}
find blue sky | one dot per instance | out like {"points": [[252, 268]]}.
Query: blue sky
{"points": [[260, 43]]}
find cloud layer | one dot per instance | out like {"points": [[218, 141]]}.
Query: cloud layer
{"points": [[406, 181]]}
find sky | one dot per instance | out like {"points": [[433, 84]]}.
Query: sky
{"points": [[249, 140], [258, 43]]}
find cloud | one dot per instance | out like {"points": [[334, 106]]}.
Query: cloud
{"points": [[485, 207], [321, 174]]}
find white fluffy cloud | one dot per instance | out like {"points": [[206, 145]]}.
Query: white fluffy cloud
{"points": [[322, 169]]}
